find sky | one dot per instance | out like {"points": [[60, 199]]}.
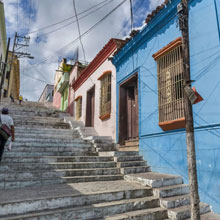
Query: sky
{"points": [[52, 28]]}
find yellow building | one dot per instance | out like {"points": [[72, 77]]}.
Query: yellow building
{"points": [[3, 37], [12, 78]]}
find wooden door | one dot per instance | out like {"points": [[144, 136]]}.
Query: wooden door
{"points": [[90, 108], [128, 110], [132, 112]]}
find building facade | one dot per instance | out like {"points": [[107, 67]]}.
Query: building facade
{"points": [[47, 94], [76, 71], [11, 85], [3, 37], [95, 92], [150, 93], [61, 85]]}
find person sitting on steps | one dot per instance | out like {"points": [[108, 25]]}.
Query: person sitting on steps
{"points": [[8, 121]]}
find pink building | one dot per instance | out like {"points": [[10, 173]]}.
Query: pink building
{"points": [[75, 73], [95, 92]]}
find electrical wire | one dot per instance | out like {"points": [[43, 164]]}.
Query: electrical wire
{"points": [[40, 80], [80, 38], [84, 34], [72, 22], [60, 22]]}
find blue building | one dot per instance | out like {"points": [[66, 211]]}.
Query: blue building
{"points": [[150, 93]]}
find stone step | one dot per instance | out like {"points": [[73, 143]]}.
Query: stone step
{"points": [[105, 147], [43, 154], [52, 148], [91, 211], [155, 180], [30, 141], [40, 118], [30, 175], [184, 211], [54, 159], [175, 201], [148, 214], [88, 172], [68, 174], [44, 130], [33, 112], [131, 164], [132, 142], [13, 184], [209, 216], [119, 153], [128, 158], [139, 169], [129, 148], [6, 167], [50, 202], [20, 135], [96, 178], [40, 124], [48, 146], [174, 190]]}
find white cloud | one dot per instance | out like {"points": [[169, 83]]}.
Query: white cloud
{"points": [[48, 12]]}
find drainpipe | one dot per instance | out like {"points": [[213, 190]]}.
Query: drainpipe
{"points": [[217, 19]]}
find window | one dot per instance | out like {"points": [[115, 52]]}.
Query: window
{"points": [[78, 101], [170, 86], [105, 95]]}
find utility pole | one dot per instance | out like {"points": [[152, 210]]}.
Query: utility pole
{"points": [[4, 69], [183, 13], [19, 42]]}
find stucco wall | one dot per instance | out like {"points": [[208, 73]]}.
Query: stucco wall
{"points": [[166, 151], [73, 75], [106, 127], [57, 100]]}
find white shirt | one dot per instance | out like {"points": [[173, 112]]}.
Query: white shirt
{"points": [[7, 120]]}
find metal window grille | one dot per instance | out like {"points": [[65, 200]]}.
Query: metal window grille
{"points": [[170, 85], [78, 108], [105, 98]]}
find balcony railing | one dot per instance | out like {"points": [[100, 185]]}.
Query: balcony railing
{"points": [[64, 81]]}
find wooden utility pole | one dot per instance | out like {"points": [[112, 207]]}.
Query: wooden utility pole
{"points": [[4, 69], [183, 13]]}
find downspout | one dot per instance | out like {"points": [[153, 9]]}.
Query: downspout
{"points": [[217, 19]]}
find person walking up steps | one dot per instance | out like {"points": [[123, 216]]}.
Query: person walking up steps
{"points": [[6, 130], [20, 99]]}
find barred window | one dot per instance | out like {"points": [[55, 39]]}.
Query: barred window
{"points": [[78, 101], [105, 94], [170, 85]]}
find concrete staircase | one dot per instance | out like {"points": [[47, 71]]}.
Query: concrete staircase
{"points": [[57, 170]]}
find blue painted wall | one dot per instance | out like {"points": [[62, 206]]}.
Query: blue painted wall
{"points": [[166, 151]]}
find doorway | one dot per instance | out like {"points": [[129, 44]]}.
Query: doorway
{"points": [[128, 110], [90, 107]]}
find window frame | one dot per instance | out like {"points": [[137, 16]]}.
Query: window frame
{"points": [[78, 113], [105, 95], [170, 86]]}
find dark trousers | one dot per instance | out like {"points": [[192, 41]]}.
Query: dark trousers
{"points": [[2, 146]]}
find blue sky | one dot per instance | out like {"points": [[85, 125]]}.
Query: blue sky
{"points": [[54, 41]]}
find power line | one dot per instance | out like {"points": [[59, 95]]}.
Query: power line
{"points": [[84, 34], [131, 11], [36, 78], [60, 22], [80, 39], [72, 22]]}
